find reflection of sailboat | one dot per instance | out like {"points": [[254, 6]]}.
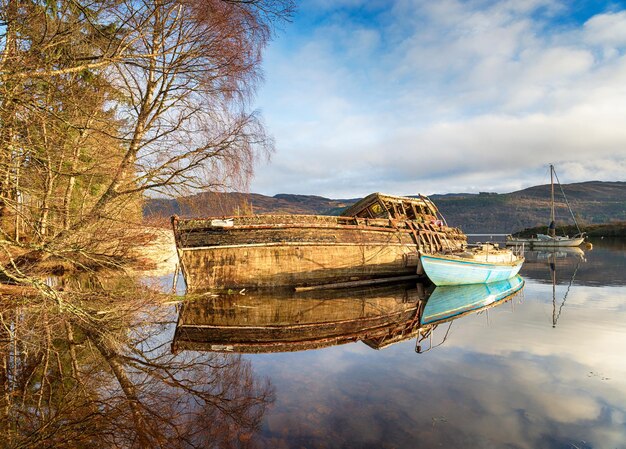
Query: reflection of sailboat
{"points": [[288, 321], [547, 254], [539, 263], [551, 239]]}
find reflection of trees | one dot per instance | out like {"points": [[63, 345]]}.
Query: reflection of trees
{"points": [[93, 378]]}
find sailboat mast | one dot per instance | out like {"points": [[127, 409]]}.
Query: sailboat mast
{"points": [[552, 259], [552, 226]]}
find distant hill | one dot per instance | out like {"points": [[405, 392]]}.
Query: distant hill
{"points": [[593, 202], [216, 204]]}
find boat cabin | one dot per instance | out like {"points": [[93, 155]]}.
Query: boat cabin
{"points": [[378, 205]]}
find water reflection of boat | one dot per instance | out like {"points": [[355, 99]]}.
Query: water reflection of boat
{"points": [[556, 312], [448, 303], [547, 254], [287, 321], [451, 301], [541, 263]]}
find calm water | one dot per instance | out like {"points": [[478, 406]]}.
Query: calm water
{"points": [[540, 371], [543, 368]]}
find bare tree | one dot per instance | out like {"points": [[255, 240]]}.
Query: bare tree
{"points": [[118, 98]]}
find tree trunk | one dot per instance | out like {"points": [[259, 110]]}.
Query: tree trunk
{"points": [[71, 182], [8, 114], [48, 187]]}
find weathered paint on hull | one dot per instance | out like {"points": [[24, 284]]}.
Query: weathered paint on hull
{"points": [[447, 271], [451, 301], [280, 265]]}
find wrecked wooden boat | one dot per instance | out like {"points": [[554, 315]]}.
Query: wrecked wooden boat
{"points": [[479, 265], [379, 236]]}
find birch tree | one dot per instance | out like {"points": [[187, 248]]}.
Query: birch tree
{"points": [[103, 101]]}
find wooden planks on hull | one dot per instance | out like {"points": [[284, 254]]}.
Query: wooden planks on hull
{"points": [[293, 264], [195, 233]]}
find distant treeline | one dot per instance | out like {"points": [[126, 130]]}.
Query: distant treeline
{"points": [[616, 229], [593, 203]]}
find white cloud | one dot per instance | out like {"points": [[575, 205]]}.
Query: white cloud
{"points": [[607, 29], [437, 96]]}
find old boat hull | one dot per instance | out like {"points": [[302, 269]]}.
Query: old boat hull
{"points": [[451, 270], [289, 264], [301, 250]]}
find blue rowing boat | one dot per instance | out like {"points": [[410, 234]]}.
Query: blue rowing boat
{"points": [[484, 265]]}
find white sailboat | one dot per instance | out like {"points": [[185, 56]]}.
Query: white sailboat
{"points": [[551, 240]]}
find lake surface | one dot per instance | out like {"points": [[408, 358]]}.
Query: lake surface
{"points": [[543, 367], [539, 371]]}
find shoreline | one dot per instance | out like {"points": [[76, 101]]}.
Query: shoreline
{"points": [[605, 230]]}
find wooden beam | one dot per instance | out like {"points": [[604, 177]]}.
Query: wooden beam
{"points": [[358, 283]]}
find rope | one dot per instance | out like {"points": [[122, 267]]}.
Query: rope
{"points": [[566, 202]]}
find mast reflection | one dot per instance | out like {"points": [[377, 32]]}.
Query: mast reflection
{"points": [[555, 266], [553, 260]]}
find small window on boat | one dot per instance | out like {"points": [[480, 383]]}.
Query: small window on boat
{"points": [[377, 210]]}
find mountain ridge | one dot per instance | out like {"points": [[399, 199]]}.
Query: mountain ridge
{"points": [[592, 202]]}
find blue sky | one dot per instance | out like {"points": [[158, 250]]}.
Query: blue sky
{"points": [[443, 96]]}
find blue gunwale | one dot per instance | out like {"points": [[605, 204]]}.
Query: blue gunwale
{"points": [[470, 262]]}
